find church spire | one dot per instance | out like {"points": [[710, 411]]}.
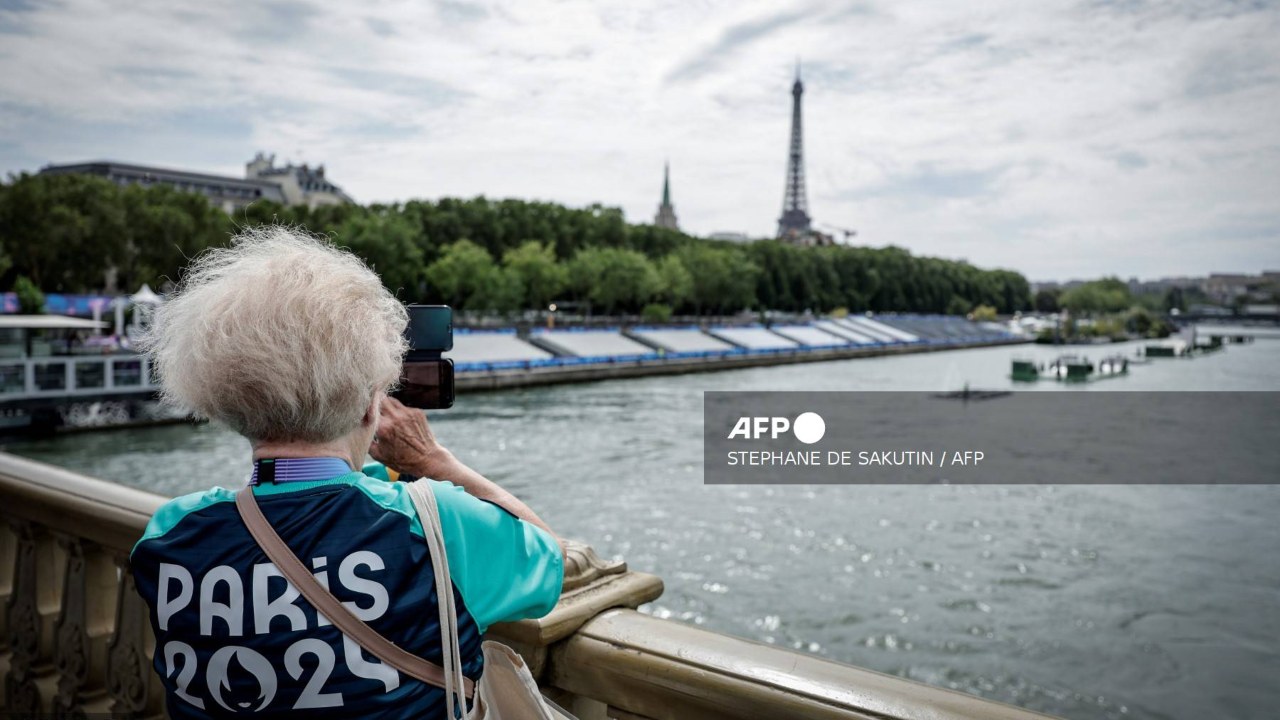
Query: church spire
{"points": [[666, 217]]}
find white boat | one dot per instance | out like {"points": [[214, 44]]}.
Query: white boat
{"points": [[58, 371]]}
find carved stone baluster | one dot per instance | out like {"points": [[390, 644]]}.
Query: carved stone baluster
{"points": [[8, 562], [84, 628], [131, 681], [30, 613], [591, 586]]}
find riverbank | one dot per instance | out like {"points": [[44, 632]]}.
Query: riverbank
{"points": [[618, 368]]}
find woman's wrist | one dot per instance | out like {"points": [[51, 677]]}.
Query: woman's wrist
{"points": [[444, 465], [435, 463]]}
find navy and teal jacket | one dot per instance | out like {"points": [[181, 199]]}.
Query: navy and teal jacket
{"points": [[234, 638]]}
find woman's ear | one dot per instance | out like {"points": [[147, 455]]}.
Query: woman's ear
{"points": [[374, 410]]}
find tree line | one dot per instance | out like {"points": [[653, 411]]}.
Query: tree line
{"points": [[1112, 310], [78, 233], [1112, 295]]}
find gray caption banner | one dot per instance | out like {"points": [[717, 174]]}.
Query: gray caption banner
{"points": [[1086, 437]]}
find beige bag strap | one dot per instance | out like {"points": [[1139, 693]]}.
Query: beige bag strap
{"points": [[507, 691], [329, 606], [424, 502]]}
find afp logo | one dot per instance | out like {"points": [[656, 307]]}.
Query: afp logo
{"points": [[808, 427]]}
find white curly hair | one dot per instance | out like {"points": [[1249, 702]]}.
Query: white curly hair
{"points": [[282, 336]]}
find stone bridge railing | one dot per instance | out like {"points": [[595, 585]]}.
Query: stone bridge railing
{"points": [[75, 639]]}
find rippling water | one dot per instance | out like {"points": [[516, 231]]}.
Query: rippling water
{"points": [[1080, 601]]}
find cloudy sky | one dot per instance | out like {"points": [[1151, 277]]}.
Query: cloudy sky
{"points": [[1061, 139]]}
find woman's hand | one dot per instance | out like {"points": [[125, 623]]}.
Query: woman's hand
{"points": [[404, 441]]}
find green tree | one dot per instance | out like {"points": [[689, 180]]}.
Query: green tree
{"points": [[675, 284], [535, 275], [958, 306], [166, 228], [984, 313], [656, 313], [63, 231], [30, 299], [6, 262], [613, 279], [464, 272], [500, 292], [1014, 292], [1046, 301], [388, 243], [1139, 321], [1099, 296], [723, 277]]}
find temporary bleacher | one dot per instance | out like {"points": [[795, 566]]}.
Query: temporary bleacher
{"points": [[947, 329], [502, 350], [810, 335], [937, 328], [914, 324], [870, 331], [591, 343], [754, 337], [895, 333], [846, 332], [483, 349], [681, 340]]}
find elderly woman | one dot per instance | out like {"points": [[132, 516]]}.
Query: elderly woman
{"points": [[293, 344]]}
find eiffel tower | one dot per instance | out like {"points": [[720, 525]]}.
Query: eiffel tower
{"points": [[794, 223]]}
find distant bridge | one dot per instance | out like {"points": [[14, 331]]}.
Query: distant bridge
{"points": [[1264, 319]]}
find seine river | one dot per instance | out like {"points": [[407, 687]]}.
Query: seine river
{"points": [[1080, 601]]}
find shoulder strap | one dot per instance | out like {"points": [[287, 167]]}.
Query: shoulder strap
{"points": [[424, 502], [337, 613]]}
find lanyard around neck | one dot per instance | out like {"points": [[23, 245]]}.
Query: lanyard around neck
{"points": [[286, 470]]}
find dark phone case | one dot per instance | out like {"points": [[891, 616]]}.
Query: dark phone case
{"points": [[438, 394]]}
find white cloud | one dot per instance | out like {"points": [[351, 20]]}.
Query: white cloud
{"points": [[1060, 139]]}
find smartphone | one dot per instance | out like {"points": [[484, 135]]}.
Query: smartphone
{"points": [[426, 380], [430, 330], [426, 384]]}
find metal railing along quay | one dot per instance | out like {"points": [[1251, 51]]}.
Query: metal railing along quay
{"points": [[75, 637], [67, 377]]}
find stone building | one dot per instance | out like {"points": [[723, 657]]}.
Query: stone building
{"points": [[288, 185], [301, 184]]}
